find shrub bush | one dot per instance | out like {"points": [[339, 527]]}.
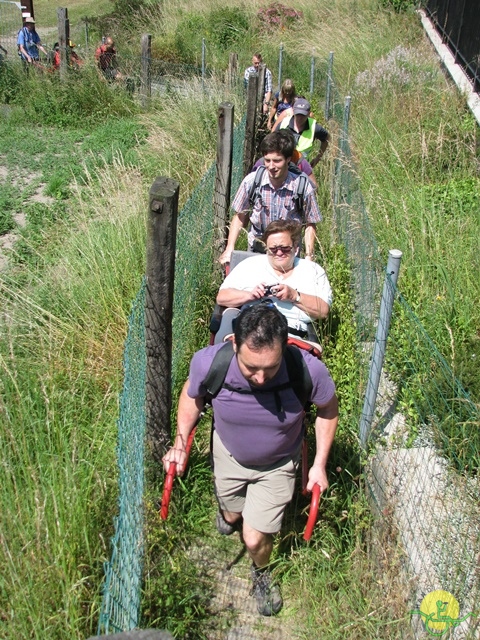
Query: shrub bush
{"points": [[278, 16], [227, 26]]}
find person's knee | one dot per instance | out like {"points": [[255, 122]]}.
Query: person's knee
{"points": [[254, 540]]}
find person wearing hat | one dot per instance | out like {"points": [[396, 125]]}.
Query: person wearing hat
{"points": [[305, 130], [28, 42]]}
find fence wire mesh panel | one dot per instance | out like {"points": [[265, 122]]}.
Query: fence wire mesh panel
{"points": [[10, 24], [121, 595], [424, 443], [194, 266]]}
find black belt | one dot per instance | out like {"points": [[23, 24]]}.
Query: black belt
{"points": [[298, 332]]}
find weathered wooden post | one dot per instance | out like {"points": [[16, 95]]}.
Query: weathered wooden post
{"points": [[280, 67], [146, 72], [262, 71], [63, 37], [251, 123], [160, 272], [223, 176]]}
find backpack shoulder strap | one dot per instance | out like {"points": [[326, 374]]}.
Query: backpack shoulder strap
{"points": [[298, 374], [254, 192], [218, 370], [299, 195], [294, 168]]}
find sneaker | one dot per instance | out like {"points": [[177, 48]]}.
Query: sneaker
{"points": [[224, 528], [267, 594]]}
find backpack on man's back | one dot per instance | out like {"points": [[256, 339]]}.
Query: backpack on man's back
{"points": [[298, 197]]}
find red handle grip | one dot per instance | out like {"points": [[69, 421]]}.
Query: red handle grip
{"points": [[169, 478], [312, 516]]}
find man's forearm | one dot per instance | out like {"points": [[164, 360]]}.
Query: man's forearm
{"points": [[325, 427], [310, 236], [189, 410], [318, 157]]}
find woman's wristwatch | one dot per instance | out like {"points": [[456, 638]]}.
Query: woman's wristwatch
{"points": [[298, 298]]}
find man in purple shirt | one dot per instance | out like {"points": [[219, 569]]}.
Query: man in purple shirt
{"points": [[258, 435], [277, 197]]}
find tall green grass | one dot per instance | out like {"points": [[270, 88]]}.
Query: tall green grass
{"points": [[417, 152], [60, 355]]}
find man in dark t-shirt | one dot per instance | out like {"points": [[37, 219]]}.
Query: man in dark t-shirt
{"points": [[258, 435]]}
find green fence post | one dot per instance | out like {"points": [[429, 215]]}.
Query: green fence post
{"points": [[328, 91]]}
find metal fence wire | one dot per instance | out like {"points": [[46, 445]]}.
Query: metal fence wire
{"points": [[121, 593], [10, 25], [423, 443]]}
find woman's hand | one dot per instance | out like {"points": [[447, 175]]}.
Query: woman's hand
{"points": [[285, 293]]}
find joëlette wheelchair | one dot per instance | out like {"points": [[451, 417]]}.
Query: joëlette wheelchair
{"points": [[217, 335]]}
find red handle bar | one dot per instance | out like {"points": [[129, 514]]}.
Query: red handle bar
{"points": [[169, 478], [312, 516]]}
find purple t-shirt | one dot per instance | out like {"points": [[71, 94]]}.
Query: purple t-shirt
{"points": [[250, 426]]}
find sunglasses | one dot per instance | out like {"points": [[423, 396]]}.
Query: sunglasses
{"points": [[279, 249]]}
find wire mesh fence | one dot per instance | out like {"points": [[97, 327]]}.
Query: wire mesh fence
{"points": [[423, 445], [194, 266], [123, 572], [10, 24]]}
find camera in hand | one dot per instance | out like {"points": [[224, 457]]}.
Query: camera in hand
{"points": [[270, 289]]}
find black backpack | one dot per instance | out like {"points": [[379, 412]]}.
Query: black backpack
{"points": [[299, 378], [299, 195]]}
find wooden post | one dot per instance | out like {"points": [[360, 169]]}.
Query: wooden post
{"points": [[27, 9], [63, 37], [250, 125], [232, 71], [146, 73], [160, 273], [223, 177], [261, 90]]}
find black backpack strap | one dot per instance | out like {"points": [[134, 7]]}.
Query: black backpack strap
{"points": [[218, 370], [254, 192], [298, 374], [294, 168], [299, 196], [299, 378]]}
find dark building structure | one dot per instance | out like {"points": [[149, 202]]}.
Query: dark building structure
{"points": [[458, 23]]}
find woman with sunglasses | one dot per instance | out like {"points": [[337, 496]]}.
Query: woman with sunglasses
{"points": [[298, 288]]}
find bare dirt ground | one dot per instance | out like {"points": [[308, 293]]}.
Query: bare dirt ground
{"points": [[235, 608]]}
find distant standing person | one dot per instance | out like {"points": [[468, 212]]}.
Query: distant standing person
{"points": [[256, 62], [306, 130], [282, 101], [106, 57], [29, 43]]}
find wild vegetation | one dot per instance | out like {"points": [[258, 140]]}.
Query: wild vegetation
{"points": [[91, 153]]}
